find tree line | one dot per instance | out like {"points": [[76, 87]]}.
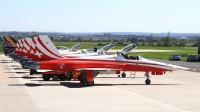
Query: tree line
{"points": [[161, 41], [144, 40]]}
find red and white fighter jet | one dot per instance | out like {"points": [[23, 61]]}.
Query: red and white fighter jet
{"points": [[88, 67]]}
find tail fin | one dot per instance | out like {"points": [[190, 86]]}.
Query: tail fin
{"points": [[18, 47], [31, 43], [27, 44], [9, 41], [45, 49], [10, 44], [21, 47]]}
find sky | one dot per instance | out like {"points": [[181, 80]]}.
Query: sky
{"points": [[155, 16]]}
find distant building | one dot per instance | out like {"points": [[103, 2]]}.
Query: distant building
{"points": [[60, 37], [184, 38]]}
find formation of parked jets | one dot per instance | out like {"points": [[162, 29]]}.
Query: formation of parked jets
{"points": [[40, 55]]}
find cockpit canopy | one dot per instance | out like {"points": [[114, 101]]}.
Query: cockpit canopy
{"points": [[61, 48]]}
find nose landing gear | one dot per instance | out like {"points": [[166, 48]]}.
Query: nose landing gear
{"points": [[123, 75], [147, 81]]}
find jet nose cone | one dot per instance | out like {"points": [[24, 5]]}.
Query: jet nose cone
{"points": [[178, 68]]}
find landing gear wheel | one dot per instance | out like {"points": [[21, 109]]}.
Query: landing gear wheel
{"points": [[83, 80], [63, 77], [123, 75], [69, 76], [46, 77], [147, 81], [90, 83], [79, 77]]}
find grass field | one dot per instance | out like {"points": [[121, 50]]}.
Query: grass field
{"points": [[165, 55], [86, 45], [158, 55], [188, 44]]}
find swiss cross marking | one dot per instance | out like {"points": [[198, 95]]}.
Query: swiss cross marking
{"points": [[32, 52], [61, 65], [38, 54], [24, 50]]}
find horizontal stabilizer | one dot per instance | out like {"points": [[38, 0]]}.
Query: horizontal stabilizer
{"points": [[44, 70]]}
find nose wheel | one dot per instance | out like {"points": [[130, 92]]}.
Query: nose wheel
{"points": [[90, 83], [147, 81], [123, 75]]}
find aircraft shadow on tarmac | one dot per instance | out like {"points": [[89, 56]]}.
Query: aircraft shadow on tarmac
{"points": [[24, 77], [17, 72], [15, 65], [79, 85], [119, 77], [16, 68], [6, 60], [10, 66]]}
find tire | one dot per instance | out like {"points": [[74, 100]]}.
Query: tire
{"points": [[148, 81], [69, 76], [123, 75], [83, 80], [79, 77], [46, 77], [63, 77], [90, 83]]}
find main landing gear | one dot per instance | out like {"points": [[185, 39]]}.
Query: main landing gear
{"points": [[86, 77], [48, 76], [62, 77], [147, 81], [90, 83]]}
